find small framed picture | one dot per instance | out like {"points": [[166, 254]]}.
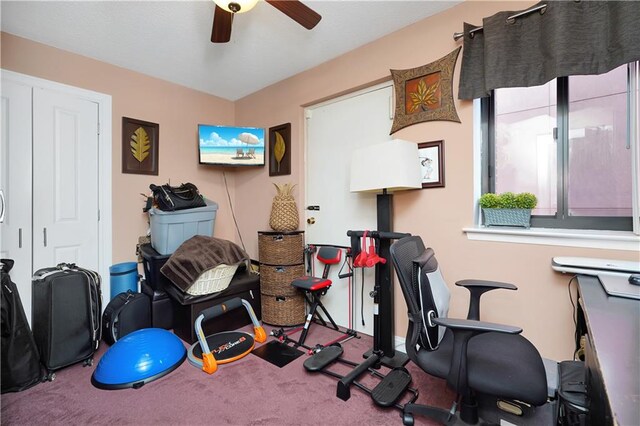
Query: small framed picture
{"points": [[431, 157]]}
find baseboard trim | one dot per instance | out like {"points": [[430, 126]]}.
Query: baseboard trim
{"points": [[399, 344]]}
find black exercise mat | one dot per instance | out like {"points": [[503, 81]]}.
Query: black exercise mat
{"points": [[277, 353]]}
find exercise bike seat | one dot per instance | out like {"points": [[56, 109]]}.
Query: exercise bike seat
{"points": [[309, 283]]}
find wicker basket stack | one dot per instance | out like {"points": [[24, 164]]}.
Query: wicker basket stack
{"points": [[281, 260]]}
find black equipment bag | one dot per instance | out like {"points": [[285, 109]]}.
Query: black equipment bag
{"points": [[21, 367], [126, 313], [573, 398], [67, 303], [170, 198]]}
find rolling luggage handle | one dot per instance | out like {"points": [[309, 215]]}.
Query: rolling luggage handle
{"points": [[2, 208]]}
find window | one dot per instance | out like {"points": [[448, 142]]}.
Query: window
{"points": [[569, 143]]}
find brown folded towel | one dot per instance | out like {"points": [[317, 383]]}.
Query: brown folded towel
{"points": [[199, 254]]}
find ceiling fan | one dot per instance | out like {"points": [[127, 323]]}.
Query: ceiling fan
{"points": [[226, 9]]}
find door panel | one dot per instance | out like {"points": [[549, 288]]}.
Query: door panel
{"points": [[334, 130], [65, 216], [15, 183]]}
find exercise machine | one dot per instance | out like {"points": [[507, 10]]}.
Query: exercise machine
{"points": [[396, 382], [313, 288], [386, 393], [228, 346]]}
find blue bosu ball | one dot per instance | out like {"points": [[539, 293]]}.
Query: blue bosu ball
{"points": [[138, 358]]}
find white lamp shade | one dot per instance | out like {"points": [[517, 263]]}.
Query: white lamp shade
{"points": [[244, 5], [393, 165]]}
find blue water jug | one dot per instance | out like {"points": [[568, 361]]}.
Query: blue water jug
{"points": [[124, 276]]}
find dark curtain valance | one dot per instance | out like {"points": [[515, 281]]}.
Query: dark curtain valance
{"points": [[569, 38]]}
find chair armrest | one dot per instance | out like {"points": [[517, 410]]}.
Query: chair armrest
{"points": [[491, 285], [474, 326], [463, 330], [477, 288]]}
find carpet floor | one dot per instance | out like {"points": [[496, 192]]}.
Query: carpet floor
{"points": [[250, 391]]}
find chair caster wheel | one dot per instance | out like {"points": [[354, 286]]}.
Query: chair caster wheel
{"points": [[407, 419]]}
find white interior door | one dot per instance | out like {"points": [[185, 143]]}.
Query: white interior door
{"points": [[65, 186], [15, 184], [334, 129]]}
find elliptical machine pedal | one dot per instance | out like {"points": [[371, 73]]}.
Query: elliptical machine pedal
{"points": [[323, 358], [391, 387]]}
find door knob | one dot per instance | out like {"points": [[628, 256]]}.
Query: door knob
{"points": [[311, 220]]}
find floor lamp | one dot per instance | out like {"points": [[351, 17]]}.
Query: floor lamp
{"points": [[385, 168]]}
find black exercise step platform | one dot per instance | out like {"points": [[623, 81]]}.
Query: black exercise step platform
{"points": [[387, 392], [323, 358]]}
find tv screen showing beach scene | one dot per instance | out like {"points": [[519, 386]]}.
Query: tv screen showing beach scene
{"points": [[231, 146]]}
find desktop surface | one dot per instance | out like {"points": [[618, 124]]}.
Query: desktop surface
{"points": [[613, 358], [619, 285]]}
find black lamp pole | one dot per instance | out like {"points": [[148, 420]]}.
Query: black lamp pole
{"points": [[383, 292]]}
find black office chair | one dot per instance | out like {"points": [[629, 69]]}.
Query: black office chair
{"points": [[475, 357]]}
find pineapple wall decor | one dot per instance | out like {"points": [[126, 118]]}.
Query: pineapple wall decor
{"points": [[139, 146], [284, 212], [280, 150]]}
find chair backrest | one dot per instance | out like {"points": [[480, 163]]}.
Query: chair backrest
{"points": [[328, 256], [424, 289]]}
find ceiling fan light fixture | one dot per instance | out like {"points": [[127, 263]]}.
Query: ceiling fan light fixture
{"points": [[236, 6]]}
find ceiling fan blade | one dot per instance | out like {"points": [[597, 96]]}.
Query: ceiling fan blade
{"points": [[297, 11], [221, 31]]}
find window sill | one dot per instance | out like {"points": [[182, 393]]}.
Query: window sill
{"points": [[610, 240]]}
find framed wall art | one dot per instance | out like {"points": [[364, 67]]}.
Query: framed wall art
{"points": [[431, 157], [425, 93], [139, 146], [280, 150]]}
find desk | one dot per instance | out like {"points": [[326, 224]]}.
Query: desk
{"points": [[612, 353]]}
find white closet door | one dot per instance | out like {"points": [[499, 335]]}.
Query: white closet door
{"points": [[15, 183], [334, 131], [65, 186]]}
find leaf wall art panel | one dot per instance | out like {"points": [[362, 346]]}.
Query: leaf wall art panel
{"points": [[280, 150], [425, 93], [139, 146]]}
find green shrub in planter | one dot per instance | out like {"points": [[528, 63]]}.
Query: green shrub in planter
{"points": [[508, 209], [526, 200]]}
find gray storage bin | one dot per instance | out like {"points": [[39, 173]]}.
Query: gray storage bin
{"points": [[170, 229]]}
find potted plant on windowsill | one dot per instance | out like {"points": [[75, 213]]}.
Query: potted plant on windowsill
{"points": [[508, 209]]}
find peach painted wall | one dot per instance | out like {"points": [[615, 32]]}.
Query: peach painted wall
{"points": [[541, 306], [177, 110]]}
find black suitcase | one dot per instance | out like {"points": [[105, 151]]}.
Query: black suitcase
{"points": [[125, 313], [21, 367], [67, 303]]}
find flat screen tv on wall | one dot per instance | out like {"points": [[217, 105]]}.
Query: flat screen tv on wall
{"points": [[230, 146]]}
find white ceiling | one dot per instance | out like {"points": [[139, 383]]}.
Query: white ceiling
{"points": [[171, 39]]}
